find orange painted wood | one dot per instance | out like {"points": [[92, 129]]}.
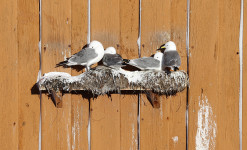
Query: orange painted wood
{"points": [[28, 68], [163, 21], [128, 122], [79, 106], [214, 75], [56, 46], [105, 111], [105, 122], [129, 27], [244, 119], [9, 75], [177, 127], [79, 122]]}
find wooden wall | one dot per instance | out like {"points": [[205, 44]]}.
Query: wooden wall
{"points": [[205, 116]]}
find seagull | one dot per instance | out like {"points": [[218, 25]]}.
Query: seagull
{"points": [[86, 56], [147, 63], [112, 59], [171, 58]]}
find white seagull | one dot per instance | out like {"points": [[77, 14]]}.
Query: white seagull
{"points": [[112, 59], [147, 63], [171, 58], [86, 56]]}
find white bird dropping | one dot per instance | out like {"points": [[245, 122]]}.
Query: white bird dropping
{"points": [[147, 63], [86, 56], [171, 58], [112, 59]]}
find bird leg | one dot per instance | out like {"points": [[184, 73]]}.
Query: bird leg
{"points": [[168, 70], [87, 68]]}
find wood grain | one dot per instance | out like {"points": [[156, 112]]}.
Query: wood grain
{"points": [[213, 68], [56, 46], [214, 75], [9, 75], [244, 119], [155, 30], [129, 26], [105, 111], [28, 68], [79, 105], [163, 21]]}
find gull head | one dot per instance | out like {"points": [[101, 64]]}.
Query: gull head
{"points": [[169, 46], [158, 56], [96, 45], [110, 50]]}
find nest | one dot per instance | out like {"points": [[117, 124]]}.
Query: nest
{"points": [[103, 80]]}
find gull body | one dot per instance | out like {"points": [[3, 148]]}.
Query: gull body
{"points": [[147, 63], [171, 58], [86, 56], [112, 59]]}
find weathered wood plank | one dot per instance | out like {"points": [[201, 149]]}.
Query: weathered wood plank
{"points": [[214, 75], [56, 46], [105, 122], [177, 120], [105, 111], [129, 27], [28, 68], [79, 105], [9, 75], [163, 21], [154, 32]]}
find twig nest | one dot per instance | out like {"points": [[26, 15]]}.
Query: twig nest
{"points": [[103, 80]]}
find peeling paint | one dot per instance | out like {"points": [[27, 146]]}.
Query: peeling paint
{"points": [[76, 129], [68, 137], [161, 112], [134, 140], [73, 135], [207, 127], [175, 139], [66, 53]]}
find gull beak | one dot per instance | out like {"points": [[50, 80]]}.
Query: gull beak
{"points": [[161, 48]]}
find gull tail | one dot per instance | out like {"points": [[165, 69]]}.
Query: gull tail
{"points": [[126, 60], [62, 63]]}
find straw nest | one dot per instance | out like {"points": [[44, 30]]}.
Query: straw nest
{"points": [[103, 80]]}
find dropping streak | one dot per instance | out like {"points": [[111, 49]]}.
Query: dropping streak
{"points": [[206, 126]]}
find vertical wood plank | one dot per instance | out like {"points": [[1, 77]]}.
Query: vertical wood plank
{"points": [[163, 21], [177, 120], [244, 119], [105, 122], [9, 75], [105, 111], [155, 30], [214, 75], [79, 106], [129, 27], [56, 46], [28, 59]]}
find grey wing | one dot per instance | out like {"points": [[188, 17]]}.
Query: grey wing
{"points": [[83, 56], [145, 62], [171, 58], [112, 59]]}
